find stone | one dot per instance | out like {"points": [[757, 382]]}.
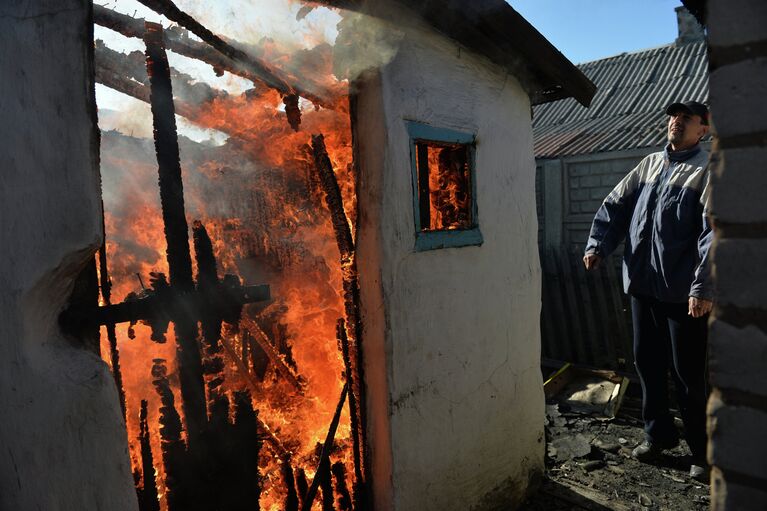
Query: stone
{"points": [[730, 496], [607, 446], [572, 446], [644, 500], [739, 185], [741, 274], [736, 436], [734, 97], [592, 465], [728, 367], [731, 26]]}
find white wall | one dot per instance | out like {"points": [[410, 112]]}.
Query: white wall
{"points": [[62, 439], [452, 342]]}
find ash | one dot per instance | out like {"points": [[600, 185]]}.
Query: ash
{"points": [[589, 466]]}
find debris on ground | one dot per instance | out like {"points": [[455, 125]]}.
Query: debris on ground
{"points": [[589, 464]]}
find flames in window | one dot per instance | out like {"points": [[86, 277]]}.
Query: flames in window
{"points": [[444, 186]]}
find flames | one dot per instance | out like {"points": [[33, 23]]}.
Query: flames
{"points": [[259, 199], [449, 187]]}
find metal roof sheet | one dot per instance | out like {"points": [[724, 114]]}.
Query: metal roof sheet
{"points": [[633, 90]]}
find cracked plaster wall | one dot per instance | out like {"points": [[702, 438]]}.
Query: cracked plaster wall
{"points": [[63, 444], [452, 342]]}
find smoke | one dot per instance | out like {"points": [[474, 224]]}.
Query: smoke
{"points": [[364, 43]]}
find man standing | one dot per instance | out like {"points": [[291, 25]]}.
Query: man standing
{"points": [[659, 208]]}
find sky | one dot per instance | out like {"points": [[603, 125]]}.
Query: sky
{"points": [[585, 30]]}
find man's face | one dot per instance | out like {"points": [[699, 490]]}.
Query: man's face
{"points": [[685, 130]]}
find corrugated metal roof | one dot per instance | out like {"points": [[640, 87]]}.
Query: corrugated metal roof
{"points": [[633, 90]]}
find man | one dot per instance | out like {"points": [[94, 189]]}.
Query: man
{"points": [[659, 208]]}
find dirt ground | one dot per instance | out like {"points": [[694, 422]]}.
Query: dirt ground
{"points": [[589, 466]]}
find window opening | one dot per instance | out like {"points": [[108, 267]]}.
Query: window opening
{"points": [[444, 187]]}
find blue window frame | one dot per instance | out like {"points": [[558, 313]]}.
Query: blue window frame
{"points": [[444, 187]]}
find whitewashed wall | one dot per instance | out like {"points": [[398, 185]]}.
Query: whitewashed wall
{"points": [[452, 342], [63, 444]]}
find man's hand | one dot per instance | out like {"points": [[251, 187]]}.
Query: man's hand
{"points": [[698, 307], [592, 261]]}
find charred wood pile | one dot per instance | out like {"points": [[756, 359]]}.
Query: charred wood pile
{"points": [[212, 439]]}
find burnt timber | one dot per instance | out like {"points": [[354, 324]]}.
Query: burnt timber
{"points": [[352, 335], [248, 67], [323, 469], [105, 284], [176, 230]]}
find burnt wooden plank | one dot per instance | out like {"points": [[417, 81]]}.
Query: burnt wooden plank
{"points": [[351, 295], [176, 229], [323, 469]]}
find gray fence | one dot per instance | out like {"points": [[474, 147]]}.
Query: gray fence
{"points": [[585, 316]]}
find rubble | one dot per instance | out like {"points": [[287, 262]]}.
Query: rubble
{"points": [[589, 464]]}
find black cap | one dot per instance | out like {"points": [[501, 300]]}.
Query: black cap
{"points": [[690, 107]]}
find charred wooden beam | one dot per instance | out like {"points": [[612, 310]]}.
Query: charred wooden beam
{"points": [[159, 305], [345, 243], [133, 66], [333, 198], [106, 295], [259, 360], [302, 486], [326, 485], [287, 372], [323, 468], [343, 341], [136, 90], [245, 479], [180, 479], [274, 442], [250, 68], [291, 497], [210, 321], [343, 498], [176, 230], [148, 497]]}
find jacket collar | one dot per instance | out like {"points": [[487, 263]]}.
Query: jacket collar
{"points": [[680, 156]]}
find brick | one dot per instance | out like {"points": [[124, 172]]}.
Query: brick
{"points": [[736, 91], [599, 193], [736, 436], [576, 170], [740, 270], [578, 194], [611, 180], [588, 181], [740, 188], [736, 21], [591, 206], [729, 496], [729, 368]]}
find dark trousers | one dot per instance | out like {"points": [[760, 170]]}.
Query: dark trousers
{"points": [[666, 337]]}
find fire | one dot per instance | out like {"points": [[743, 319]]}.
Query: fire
{"points": [[259, 200], [449, 186]]}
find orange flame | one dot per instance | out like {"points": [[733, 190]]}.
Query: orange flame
{"points": [[261, 205]]}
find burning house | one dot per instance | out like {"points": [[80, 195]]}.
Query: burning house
{"points": [[334, 309]]}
